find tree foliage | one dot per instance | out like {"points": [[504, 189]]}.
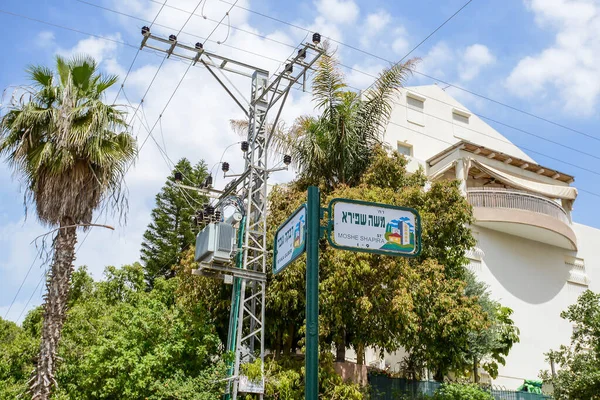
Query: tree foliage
{"points": [[487, 348], [337, 146], [579, 375], [385, 302], [172, 230], [122, 341]]}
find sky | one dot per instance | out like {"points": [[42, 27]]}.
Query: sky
{"points": [[540, 58]]}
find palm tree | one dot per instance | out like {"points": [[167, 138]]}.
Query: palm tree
{"points": [[337, 147], [72, 151]]}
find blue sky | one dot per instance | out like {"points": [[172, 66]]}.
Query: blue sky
{"points": [[539, 56]]}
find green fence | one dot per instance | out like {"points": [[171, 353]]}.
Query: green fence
{"points": [[386, 388], [512, 395]]}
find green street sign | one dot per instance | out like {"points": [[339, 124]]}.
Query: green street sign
{"points": [[374, 228], [290, 240]]}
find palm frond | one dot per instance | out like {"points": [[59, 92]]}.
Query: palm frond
{"points": [[377, 106], [71, 148], [328, 82]]}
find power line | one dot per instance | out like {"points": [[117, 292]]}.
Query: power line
{"points": [[435, 30], [20, 287], [149, 132], [109, 39], [136, 55], [427, 38], [186, 33], [503, 124], [357, 49], [549, 121], [31, 297]]}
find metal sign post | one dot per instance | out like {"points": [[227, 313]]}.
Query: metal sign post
{"points": [[356, 226], [313, 228]]}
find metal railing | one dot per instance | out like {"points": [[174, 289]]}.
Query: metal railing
{"points": [[516, 200]]}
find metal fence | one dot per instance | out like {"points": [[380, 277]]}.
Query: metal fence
{"points": [[385, 388], [512, 395]]}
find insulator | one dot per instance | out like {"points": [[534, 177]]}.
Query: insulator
{"points": [[316, 38], [145, 30], [225, 166], [218, 215], [301, 54], [287, 159], [289, 68], [172, 38], [208, 181], [245, 146], [209, 210], [178, 176], [199, 46]]}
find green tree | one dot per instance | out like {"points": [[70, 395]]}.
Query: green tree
{"points": [[337, 146], [171, 231], [579, 375], [487, 348], [18, 347], [72, 151], [121, 341], [385, 302]]}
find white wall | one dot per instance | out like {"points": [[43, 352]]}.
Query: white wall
{"points": [[531, 278], [440, 130], [527, 276]]}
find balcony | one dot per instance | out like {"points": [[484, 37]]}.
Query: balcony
{"points": [[522, 214]]}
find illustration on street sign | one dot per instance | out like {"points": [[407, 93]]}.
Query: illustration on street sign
{"points": [[290, 240], [374, 228]]}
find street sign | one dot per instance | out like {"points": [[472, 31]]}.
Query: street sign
{"points": [[290, 240], [374, 228]]}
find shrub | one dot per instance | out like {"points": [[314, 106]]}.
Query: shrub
{"points": [[455, 391]]}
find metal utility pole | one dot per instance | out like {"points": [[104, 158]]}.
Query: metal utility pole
{"points": [[247, 328]]}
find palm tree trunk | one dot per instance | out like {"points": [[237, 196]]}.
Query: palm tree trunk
{"points": [[55, 307]]}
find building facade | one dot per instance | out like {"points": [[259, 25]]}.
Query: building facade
{"points": [[534, 257]]}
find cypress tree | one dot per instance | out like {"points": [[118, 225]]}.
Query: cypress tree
{"points": [[171, 231]]}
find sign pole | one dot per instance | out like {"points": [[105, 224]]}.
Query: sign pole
{"points": [[313, 230]]}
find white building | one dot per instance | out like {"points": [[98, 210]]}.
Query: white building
{"points": [[534, 257]]}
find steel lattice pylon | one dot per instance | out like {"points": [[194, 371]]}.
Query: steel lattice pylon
{"points": [[247, 319], [251, 318]]}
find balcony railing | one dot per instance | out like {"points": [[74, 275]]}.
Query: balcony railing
{"points": [[516, 200]]}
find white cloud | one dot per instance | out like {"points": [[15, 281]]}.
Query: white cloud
{"points": [[99, 49], [45, 39], [570, 67], [374, 24], [366, 76], [338, 11], [474, 59], [438, 61], [400, 45], [466, 64]]}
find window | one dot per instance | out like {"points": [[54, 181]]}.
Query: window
{"points": [[460, 122], [405, 149], [461, 115], [415, 104]]}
